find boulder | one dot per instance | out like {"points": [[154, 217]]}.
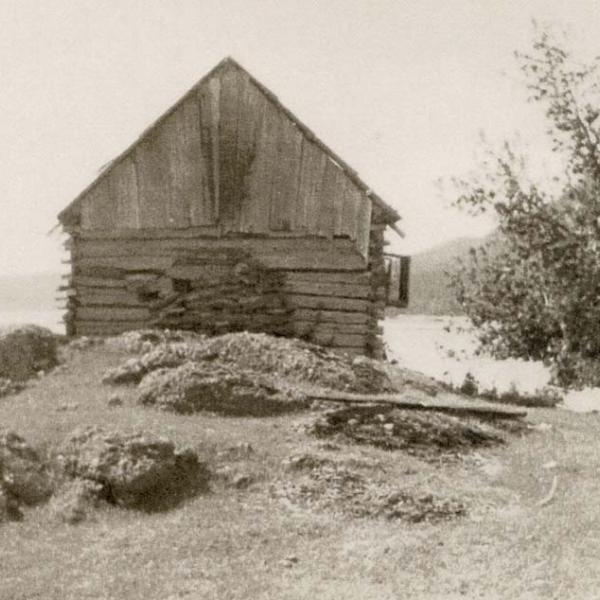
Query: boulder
{"points": [[26, 350], [134, 470], [24, 477], [206, 386]]}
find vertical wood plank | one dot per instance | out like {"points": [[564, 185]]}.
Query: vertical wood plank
{"points": [[286, 175], [228, 152], [173, 138], [326, 207], [122, 184], [152, 164], [99, 207], [363, 226], [353, 197]]}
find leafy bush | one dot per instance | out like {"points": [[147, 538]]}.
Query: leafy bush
{"points": [[533, 289]]}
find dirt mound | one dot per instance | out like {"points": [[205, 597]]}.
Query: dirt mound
{"points": [[423, 433], [134, 470], [294, 360], [144, 340], [8, 387], [26, 350], [164, 356], [280, 359], [327, 485], [213, 387], [76, 500], [24, 477]]}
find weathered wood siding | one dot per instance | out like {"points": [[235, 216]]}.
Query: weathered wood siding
{"points": [[318, 289], [227, 157]]}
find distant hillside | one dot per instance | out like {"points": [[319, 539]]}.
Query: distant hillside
{"points": [[29, 292], [429, 293]]}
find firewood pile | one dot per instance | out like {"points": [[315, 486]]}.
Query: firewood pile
{"points": [[219, 291]]}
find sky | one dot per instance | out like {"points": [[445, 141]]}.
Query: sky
{"points": [[402, 90]]}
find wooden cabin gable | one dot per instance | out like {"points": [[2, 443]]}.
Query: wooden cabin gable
{"points": [[229, 158]]}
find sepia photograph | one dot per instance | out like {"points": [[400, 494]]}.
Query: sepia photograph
{"points": [[299, 299]]}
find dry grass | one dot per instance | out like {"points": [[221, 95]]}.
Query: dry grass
{"points": [[233, 543]]}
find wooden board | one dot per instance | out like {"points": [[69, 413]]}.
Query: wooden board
{"points": [[325, 288], [286, 176], [123, 187], [303, 327], [103, 313], [81, 281], [327, 303], [107, 327], [449, 404], [345, 277], [107, 297], [99, 208], [282, 253], [152, 163], [327, 316]]}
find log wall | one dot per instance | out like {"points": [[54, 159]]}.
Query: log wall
{"points": [[313, 288]]}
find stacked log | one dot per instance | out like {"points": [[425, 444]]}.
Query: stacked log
{"points": [[218, 285], [375, 346]]}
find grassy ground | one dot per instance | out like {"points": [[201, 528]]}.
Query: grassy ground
{"points": [[232, 544]]}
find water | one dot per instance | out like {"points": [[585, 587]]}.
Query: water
{"points": [[444, 348], [50, 318]]}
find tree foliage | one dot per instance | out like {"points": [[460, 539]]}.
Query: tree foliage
{"points": [[533, 290]]}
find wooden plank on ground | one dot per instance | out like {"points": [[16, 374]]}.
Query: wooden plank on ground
{"points": [[448, 404]]}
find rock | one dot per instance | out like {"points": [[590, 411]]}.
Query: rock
{"points": [[236, 452], [115, 400], [65, 406], [76, 500], [204, 386], [135, 470], [26, 350], [7, 386], [23, 475], [241, 481], [289, 561]]}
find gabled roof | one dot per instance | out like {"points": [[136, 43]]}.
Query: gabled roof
{"points": [[389, 213]]}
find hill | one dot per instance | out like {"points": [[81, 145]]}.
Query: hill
{"points": [[29, 292], [429, 292]]}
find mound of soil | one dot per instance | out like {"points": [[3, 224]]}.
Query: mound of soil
{"points": [[285, 361], [426, 434], [213, 387], [327, 485], [26, 350], [144, 340], [8, 386], [24, 478], [76, 500], [298, 361], [133, 470], [164, 356]]}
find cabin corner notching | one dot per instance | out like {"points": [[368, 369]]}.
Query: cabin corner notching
{"points": [[229, 214]]}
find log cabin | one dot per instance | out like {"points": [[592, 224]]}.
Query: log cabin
{"points": [[229, 214]]}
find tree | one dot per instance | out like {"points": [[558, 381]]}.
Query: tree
{"points": [[533, 290]]}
